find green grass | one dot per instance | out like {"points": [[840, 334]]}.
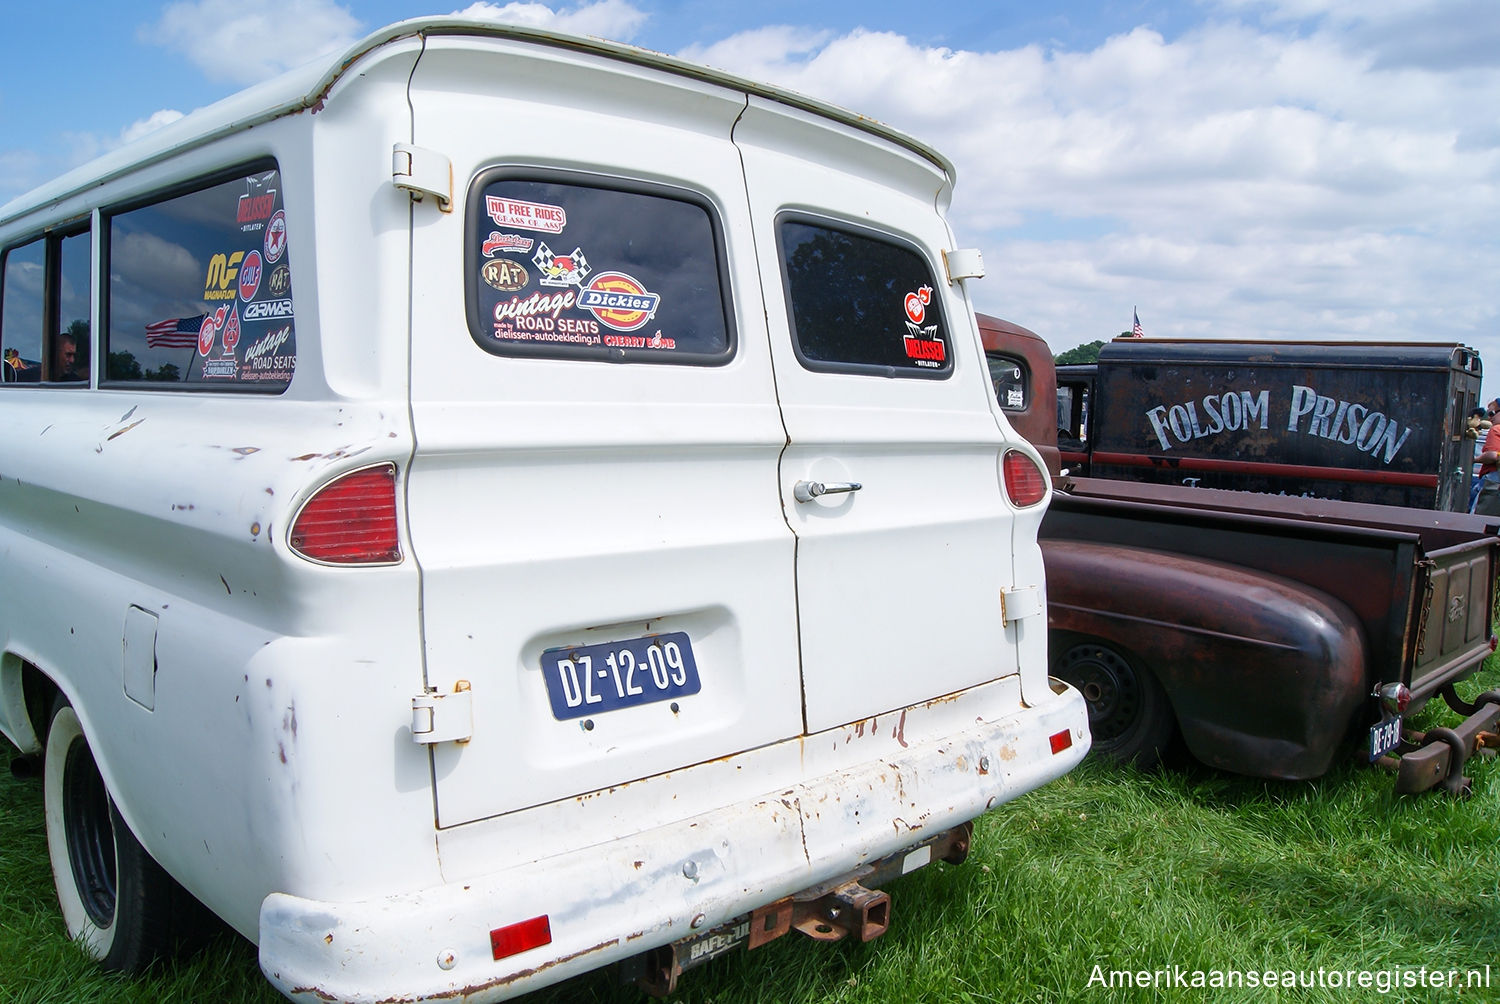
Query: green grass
{"points": [[1120, 870]]}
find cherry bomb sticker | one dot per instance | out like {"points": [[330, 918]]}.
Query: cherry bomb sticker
{"points": [[923, 344]]}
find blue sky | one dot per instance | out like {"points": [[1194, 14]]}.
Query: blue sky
{"points": [[1232, 168]]}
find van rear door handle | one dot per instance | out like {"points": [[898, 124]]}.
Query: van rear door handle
{"points": [[806, 491]]}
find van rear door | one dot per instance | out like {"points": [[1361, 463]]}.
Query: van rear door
{"points": [[882, 386], [593, 496]]}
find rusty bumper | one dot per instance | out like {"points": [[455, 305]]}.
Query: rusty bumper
{"points": [[1437, 756]]}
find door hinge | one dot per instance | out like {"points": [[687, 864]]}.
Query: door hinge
{"points": [[423, 172], [963, 263], [1019, 602], [443, 718]]}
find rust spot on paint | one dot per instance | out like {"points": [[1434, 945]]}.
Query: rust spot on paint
{"points": [[900, 730], [120, 432]]}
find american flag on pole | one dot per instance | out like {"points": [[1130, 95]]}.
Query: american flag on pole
{"points": [[1136, 332], [174, 333]]}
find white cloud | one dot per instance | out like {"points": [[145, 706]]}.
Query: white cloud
{"points": [[1235, 181], [245, 43], [150, 124], [615, 19]]}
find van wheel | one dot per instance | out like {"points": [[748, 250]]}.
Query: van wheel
{"points": [[1129, 714], [116, 901]]}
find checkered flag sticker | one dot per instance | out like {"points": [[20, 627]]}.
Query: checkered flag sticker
{"points": [[561, 270]]}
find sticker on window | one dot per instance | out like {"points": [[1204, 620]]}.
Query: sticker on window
{"points": [[861, 302], [609, 273]]}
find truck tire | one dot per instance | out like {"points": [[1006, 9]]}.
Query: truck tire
{"points": [[116, 900], [1129, 714]]}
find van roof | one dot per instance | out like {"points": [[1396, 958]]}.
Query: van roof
{"points": [[306, 87]]}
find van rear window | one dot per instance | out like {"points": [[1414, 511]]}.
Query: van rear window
{"points": [[557, 268], [200, 290], [861, 303]]}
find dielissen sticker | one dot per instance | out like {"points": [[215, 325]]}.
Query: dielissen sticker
{"points": [[526, 215], [923, 346]]}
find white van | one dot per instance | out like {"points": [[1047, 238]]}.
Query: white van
{"points": [[499, 504]]}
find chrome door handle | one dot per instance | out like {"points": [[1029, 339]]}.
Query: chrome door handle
{"points": [[806, 491]]}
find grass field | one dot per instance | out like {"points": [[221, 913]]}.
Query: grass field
{"points": [[1189, 869]]}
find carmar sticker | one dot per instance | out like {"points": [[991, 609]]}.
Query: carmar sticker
{"points": [[526, 215], [222, 271], [276, 237], [504, 274], [497, 243], [619, 300], [280, 281], [560, 269], [264, 310], [923, 346], [250, 276]]}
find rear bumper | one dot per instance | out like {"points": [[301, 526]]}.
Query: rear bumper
{"points": [[1437, 757], [619, 899]]}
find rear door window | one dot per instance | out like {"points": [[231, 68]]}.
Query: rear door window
{"points": [[577, 270], [861, 302]]}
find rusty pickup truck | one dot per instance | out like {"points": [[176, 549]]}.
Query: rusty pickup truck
{"points": [[1270, 634]]}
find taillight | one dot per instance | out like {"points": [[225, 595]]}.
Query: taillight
{"points": [[351, 520], [1394, 697], [1060, 741], [1025, 482]]}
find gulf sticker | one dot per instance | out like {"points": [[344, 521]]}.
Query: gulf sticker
{"points": [[530, 215], [250, 276], [619, 300]]}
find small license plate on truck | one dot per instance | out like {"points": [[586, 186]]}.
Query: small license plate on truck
{"points": [[593, 679], [1385, 737]]}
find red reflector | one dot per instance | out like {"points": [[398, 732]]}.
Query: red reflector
{"points": [[351, 520], [513, 939], [1025, 482], [1494, 643], [1060, 740]]}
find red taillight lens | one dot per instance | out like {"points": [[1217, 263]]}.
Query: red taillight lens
{"points": [[1395, 697], [1060, 741], [351, 520], [513, 939], [1025, 482]]}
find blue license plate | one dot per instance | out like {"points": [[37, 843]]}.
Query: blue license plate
{"points": [[594, 679], [1385, 737]]}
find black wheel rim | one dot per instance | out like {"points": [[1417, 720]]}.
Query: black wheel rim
{"points": [[90, 834], [1109, 687]]}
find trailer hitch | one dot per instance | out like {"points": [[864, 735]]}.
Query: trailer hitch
{"points": [[827, 912], [1436, 758]]}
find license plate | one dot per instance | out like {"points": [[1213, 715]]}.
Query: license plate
{"points": [[594, 679], [1385, 737]]}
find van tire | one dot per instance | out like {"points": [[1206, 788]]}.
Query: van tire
{"points": [[1129, 714], [116, 900]]}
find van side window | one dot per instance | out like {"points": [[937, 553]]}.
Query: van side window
{"points": [[861, 303], [71, 345], [1011, 380], [21, 312], [200, 290], [577, 271]]}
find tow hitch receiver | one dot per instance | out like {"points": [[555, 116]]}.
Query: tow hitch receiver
{"points": [[1437, 756], [827, 912]]}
